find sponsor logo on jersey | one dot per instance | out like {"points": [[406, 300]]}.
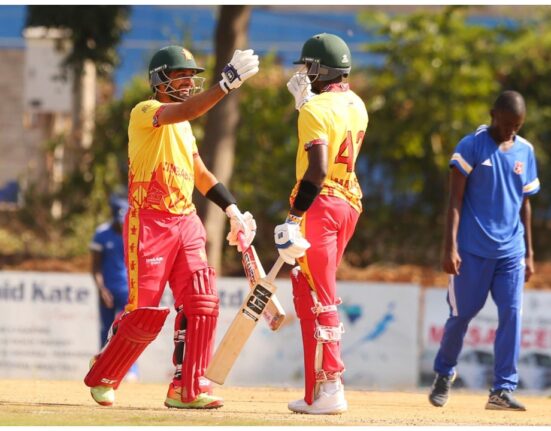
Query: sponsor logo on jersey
{"points": [[487, 162]]}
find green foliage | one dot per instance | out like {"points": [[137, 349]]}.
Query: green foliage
{"points": [[267, 139], [527, 68], [437, 83], [439, 77]]}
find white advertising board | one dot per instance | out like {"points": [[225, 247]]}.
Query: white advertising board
{"points": [[49, 329], [475, 366], [48, 325], [380, 344]]}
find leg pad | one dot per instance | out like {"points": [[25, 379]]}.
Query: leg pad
{"points": [[131, 335], [200, 308]]}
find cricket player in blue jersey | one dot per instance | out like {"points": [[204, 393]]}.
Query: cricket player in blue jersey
{"points": [[488, 245], [109, 270]]}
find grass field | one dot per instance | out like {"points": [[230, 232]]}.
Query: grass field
{"points": [[35, 403]]}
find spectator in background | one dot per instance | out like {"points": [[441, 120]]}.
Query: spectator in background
{"points": [[109, 269]]}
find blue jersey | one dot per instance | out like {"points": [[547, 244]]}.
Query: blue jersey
{"points": [[109, 243], [497, 183]]}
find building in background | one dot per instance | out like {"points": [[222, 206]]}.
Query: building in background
{"points": [[39, 117]]}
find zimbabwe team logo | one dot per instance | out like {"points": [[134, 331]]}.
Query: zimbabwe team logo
{"points": [[187, 55]]}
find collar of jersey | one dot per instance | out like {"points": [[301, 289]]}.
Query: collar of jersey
{"points": [[337, 87]]}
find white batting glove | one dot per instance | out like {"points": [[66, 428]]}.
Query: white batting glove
{"points": [[289, 240], [299, 86], [244, 223], [241, 67]]}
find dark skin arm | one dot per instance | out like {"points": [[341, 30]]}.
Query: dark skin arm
{"points": [[191, 108], [106, 297], [451, 261], [316, 171], [526, 217]]}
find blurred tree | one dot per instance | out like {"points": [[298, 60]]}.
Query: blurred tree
{"points": [[439, 77], [218, 147], [436, 84], [265, 155], [526, 67], [110, 147], [94, 31]]}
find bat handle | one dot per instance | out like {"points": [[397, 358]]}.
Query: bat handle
{"points": [[241, 239], [275, 269]]}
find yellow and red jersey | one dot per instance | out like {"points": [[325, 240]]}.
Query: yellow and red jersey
{"points": [[160, 159], [336, 118]]}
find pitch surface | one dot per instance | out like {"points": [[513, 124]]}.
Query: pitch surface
{"points": [[35, 403]]}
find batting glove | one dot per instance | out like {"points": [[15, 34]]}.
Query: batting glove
{"points": [[241, 67], [299, 86], [244, 223], [289, 240]]}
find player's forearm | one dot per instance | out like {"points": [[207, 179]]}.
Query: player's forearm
{"points": [[452, 227], [205, 182], [312, 181], [98, 280], [95, 270], [453, 216], [526, 218], [191, 108]]}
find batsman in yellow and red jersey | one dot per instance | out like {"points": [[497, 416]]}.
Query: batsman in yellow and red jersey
{"points": [[163, 236], [325, 206]]}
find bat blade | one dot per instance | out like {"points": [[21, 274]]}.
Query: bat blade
{"points": [[274, 313], [242, 326]]}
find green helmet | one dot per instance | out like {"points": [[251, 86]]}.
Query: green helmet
{"points": [[328, 55], [167, 59]]}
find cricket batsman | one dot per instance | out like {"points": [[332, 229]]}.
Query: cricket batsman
{"points": [[164, 238], [325, 207]]}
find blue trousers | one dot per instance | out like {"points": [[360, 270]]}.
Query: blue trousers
{"points": [[467, 294], [107, 315]]}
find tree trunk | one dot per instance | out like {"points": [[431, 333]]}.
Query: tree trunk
{"points": [[76, 154], [218, 147]]}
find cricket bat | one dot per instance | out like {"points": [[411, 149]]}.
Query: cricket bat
{"points": [[273, 314], [242, 326]]}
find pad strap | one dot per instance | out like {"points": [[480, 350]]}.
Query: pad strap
{"points": [[329, 334], [321, 332], [180, 329]]}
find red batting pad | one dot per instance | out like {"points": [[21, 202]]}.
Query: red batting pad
{"points": [[201, 309], [133, 334]]}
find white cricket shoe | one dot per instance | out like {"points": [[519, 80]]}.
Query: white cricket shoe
{"points": [[103, 395], [330, 401]]}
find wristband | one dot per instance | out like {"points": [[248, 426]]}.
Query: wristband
{"points": [[307, 192], [221, 196]]}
